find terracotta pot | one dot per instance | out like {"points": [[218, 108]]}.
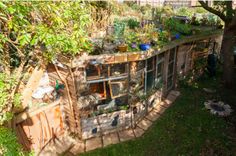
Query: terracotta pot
{"points": [[122, 48]]}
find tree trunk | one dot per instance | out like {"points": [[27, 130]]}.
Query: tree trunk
{"points": [[227, 51]]}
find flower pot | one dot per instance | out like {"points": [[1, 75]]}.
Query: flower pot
{"points": [[144, 47], [177, 36], [122, 48]]}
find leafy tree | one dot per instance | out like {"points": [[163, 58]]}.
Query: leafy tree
{"points": [[225, 11], [34, 33]]}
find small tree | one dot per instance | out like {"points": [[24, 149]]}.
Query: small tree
{"points": [[225, 11]]}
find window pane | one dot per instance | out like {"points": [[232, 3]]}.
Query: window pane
{"points": [[171, 68], [150, 63], [172, 54], [118, 69], [150, 80], [160, 56], [169, 82], [160, 68]]}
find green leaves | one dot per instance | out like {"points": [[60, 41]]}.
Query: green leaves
{"points": [[24, 39], [60, 27], [8, 143]]}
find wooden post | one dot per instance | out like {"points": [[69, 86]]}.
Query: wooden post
{"points": [[165, 71], [68, 94]]}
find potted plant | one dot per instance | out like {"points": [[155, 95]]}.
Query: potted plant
{"points": [[131, 40], [145, 43], [122, 47], [119, 28]]}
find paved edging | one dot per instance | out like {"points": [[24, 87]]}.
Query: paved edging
{"points": [[127, 134]]}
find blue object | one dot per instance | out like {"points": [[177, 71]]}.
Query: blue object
{"points": [[94, 131], [177, 36], [115, 121], [144, 47]]}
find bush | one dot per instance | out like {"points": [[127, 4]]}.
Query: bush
{"points": [[175, 25], [8, 143], [133, 23]]}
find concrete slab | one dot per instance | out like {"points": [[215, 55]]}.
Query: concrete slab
{"points": [[144, 124], [153, 115], [93, 143], [138, 132], [109, 139], [126, 135]]}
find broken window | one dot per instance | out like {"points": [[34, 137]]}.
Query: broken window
{"points": [[98, 88], [118, 88], [118, 69], [96, 71]]}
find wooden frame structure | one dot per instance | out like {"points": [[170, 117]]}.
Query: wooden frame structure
{"points": [[147, 76]]}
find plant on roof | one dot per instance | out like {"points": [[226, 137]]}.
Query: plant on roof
{"points": [[119, 28], [133, 23], [175, 25]]}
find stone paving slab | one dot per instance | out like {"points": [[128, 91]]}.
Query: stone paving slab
{"points": [[126, 135], [93, 143], [123, 135], [153, 115], [78, 147], [144, 124], [159, 109], [165, 104], [109, 139], [138, 131], [175, 93]]}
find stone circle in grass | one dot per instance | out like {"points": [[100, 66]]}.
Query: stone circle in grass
{"points": [[218, 108]]}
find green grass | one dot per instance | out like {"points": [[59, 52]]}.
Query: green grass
{"points": [[185, 128]]}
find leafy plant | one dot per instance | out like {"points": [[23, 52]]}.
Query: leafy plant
{"points": [[133, 23], [119, 28], [8, 143], [175, 25]]}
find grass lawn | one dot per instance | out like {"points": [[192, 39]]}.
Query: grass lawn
{"points": [[185, 128]]}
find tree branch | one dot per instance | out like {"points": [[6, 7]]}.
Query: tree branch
{"points": [[212, 10]]}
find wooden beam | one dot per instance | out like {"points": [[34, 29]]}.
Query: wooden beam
{"points": [[28, 114]]}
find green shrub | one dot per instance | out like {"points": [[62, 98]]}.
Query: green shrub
{"points": [[175, 25], [133, 23], [8, 143]]}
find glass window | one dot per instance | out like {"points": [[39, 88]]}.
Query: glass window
{"points": [[118, 69], [172, 55], [150, 80], [150, 63]]}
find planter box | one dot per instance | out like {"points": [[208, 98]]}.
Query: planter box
{"points": [[133, 57], [120, 58]]}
